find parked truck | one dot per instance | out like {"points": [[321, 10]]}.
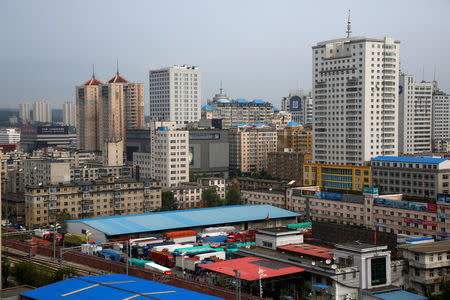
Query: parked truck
{"points": [[157, 267], [162, 258], [185, 236], [112, 254], [75, 239], [138, 262], [187, 263]]}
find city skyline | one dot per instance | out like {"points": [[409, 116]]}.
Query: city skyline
{"points": [[249, 46]]}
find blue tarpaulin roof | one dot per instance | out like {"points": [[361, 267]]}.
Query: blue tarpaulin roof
{"points": [[420, 159], [399, 295], [292, 123], [208, 107], [112, 287], [169, 220]]}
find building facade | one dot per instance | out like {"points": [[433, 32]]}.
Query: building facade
{"points": [[441, 114], [100, 198], [169, 154], [209, 152], [387, 213], [419, 177], [24, 112], [9, 136], [415, 115], [249, 147], [287, 165], [295, 137], [36, 137], [355, 99], [42, 112], [299, 105], [429, 266], [69, 113], [138, 140], [337, 177], [175, 94]]}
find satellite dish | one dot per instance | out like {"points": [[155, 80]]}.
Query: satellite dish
{"points": [[333, 266], [328, 261], [313, 263]]}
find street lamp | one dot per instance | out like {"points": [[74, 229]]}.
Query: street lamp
{"points": [[55, 230]]}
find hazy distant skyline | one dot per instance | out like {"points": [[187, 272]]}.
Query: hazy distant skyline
{"points": [[259, 49]]}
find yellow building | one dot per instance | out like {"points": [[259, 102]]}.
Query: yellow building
{"points": [[99, 198], [340, 177], [296, 137]]}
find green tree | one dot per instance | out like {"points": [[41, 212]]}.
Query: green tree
{"points": [[210, 197], [168, 201], [192, 177], [64, 273], [233, 196], [61, 218], [5, 271]]}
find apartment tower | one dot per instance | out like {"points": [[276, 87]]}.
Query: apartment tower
{"points": [[355, 96], [441, 114], [415, 112], [42, 112], [175, 94], [24, 111], [106, 110], [69, 113]]}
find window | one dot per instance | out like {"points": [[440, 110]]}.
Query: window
{"points": [[378, 271]]}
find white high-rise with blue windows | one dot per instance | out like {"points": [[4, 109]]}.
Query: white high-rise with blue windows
{"points": [[175, 94]]}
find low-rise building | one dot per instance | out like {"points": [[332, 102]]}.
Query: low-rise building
{"points": [[420, 177], [387, 213], [337, 177], [441, 145], [99, 198], [272, 238], [9, 136], [188, 195], [45, 171], [218, 183], [36, 137], [429, 266]]}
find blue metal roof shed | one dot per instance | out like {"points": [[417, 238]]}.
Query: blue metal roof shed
{"points": [[116, 286], [398, 295], [406, 159], [178, 219]]}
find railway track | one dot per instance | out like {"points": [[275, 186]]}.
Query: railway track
{"points": [[54, 265]]}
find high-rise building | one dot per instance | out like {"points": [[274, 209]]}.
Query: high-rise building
{"points": [[169, 153], [355, 96], [24, 111], [415, 111], [42, 112], [441, 114], [249, 147], [88, 107], [69, 113], [175, 94], [106, 110], [299, 105]]}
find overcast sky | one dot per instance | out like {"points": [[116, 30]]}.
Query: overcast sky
{"points": [[260, 49]]}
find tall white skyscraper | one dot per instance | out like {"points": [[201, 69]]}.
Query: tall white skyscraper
{"points": [[175, 94], [441, 114], [69, 113], [355, 99], [414, 117], [42, 112], [169, 153], [24, 111]]}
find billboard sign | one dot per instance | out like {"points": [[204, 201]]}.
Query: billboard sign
{"points": [[390, 203], [443, 199], [52, 129], [191, 156]]}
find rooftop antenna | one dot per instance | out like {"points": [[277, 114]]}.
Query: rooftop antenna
{"points": [[349, 25], [117, 67], [221, 89], [423, 73], [434, 73], [93, 71]]}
